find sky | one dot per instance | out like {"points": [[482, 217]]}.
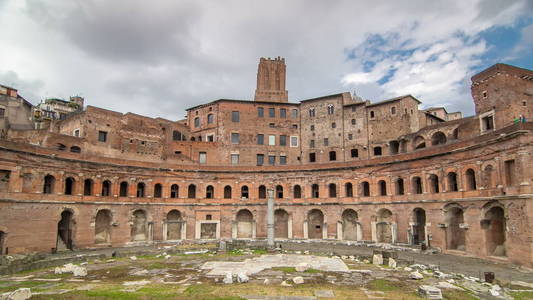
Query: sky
{"points": [[157, 58]]}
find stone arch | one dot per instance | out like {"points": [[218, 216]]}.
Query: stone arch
{"points": [[494, 225], [102, 226], [350, 225], [419, 142], [139, 226], [49, 184], [281, 224], [384, 232], [315, 224], [174, 222], [245, 221], [455, 232], [69, 185], [419, 226], [438, 138], [65, 231]]}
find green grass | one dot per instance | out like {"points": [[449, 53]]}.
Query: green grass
{"points": [[285, 269], [383, 285], [259, 251], [21, 284], [522, 295], [312, 271]]}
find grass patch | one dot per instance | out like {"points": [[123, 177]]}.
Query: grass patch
{"points": [[21, 284], [383, 285], [259, 251], [312, 271], [198, 290], [522, 295], [285, 269]]}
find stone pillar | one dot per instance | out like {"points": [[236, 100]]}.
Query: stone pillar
{"points": [[270, 219]]}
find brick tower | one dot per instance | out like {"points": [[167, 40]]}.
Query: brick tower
{"points": [[271, 80]]}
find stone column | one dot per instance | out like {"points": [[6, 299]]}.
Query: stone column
{"points": [[270, 219]]}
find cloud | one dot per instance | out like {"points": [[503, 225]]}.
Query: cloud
{"points": [[161, 58]]}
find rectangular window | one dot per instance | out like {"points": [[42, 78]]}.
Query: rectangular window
{"points": [[272, 112], [312, 143], [353, 108], [235, 116], [271, 125], [510, 172], [260, 159], [76, 132], [234, 138], [196, 122], [260, 139], [102, 136], [211, 138], [282, 113], [235, 159], [326, 142], [271, 159], [283, 140], [354, 152], [282, 160], [294, 141], [294, 113], [272, 140], [202, 157], [350, 136], [312, 157], [260, 112], [488, 123]]}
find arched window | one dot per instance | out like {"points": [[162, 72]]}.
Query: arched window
{"points": [[227, 192], [279, 192], [158, 190], [123, 189], [331, 109], [419, 142], [69, 186], [49, 182], [452, 182], [332, 188], [245, 192], [197, 122], [400, 190], [471, 179], [210, 118], [141, 190], [191, 191], [488, 176], [209, 192], [332, 155], [176, 135], [348, 189], [417, 185], [365, 189], [174, 191], [315, 193], [106, 188], [61, 147], [434, 183], [87, 187], [382, 188], [297, 191], [438, 138], [75, 149], [262, 192]]}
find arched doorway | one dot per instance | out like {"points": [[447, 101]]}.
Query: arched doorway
{"points": [[455, 234], [384, 226], [349, 225], [419, 226], [102, 227], [281, 224], [315, 224], [495, 231], [64, 231], [174, 222], [139, 226], [245, 221]]}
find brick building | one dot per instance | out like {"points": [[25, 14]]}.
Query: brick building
{"points": [[341, 168]]}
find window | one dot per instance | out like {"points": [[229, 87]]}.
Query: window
{"points": [[227, 192], [260, 159], [76, 132], [399, 187], [197, 122], [75, 149], [312, 128], [272, 112], [235, 159], [350, 136], [332, 155], [297, 191], [174, 191], [331, 109], [372, 114], [158, 190], [279, 192], [140, 190], [510, 172], [488, 123], [332, 188], [326, 142], [315, 193], [393, 110], [210, 118], [354, 153], [295, 126], [272, 140], [312, 157], [209, 192], [262, 192], [312, 143], [382, 188], [311, 112], [49, 182], [354, 122], [244, 192], [102, 136], [417, 185], [123, 189], [271, 159], [2, 112], [210, 138], [484, 94], [87, 187], [377, 151], [234, 138], [176, 135], [333, 125], [452, 182], [260, 112], [202, 157], [353, 108], [283, 140], [365, 189], [271, 125], [282, 113], [235, 116], [294, 113], [191, 191], [282, 160], [260, 139], [348, 189], [106, 188]]}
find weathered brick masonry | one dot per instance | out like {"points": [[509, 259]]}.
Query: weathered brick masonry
{"points": [[341, 168]]}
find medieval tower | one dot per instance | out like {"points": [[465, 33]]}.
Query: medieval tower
{"points": [[271, 80]]}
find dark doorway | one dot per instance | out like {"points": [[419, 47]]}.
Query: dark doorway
{"points": [[64, 231]]}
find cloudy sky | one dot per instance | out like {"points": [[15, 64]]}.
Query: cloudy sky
{"points": [[157, 58]]}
